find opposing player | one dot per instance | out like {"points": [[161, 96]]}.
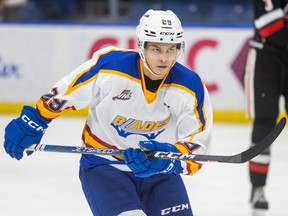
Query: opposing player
{"points": [[266, 79], [137, 99]]}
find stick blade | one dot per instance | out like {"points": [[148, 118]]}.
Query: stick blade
{"points": [[250, 153], [260, 146]]}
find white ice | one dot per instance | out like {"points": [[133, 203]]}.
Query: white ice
{"points": [[47, 183]]}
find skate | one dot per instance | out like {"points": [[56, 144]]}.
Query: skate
{"points": [[258, 202]]}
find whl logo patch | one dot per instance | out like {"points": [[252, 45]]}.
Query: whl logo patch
{"points": [[125, 95]]}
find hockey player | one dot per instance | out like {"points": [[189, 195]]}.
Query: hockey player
{"points": [[137, 98], [266, 79]]}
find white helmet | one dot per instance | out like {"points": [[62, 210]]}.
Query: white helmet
{"points": [[159, 26]]}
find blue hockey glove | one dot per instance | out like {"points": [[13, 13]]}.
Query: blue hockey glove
{"points": [[24, 131], [144, 167]]}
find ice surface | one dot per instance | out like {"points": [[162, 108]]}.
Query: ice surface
{"points": [[47, 183]]}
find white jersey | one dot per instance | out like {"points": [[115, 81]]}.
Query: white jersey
{"points": [[122, 111]]}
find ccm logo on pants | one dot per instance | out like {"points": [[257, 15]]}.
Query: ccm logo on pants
{"points": [[175, 209]]}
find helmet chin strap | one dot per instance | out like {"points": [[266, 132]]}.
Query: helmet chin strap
{"points": [[149, 69], [147, 66]]}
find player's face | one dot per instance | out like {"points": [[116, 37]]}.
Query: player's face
{"points": [[159, 57]]}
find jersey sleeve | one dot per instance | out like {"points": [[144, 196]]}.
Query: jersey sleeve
{"points": [[74, 91], [269, 18], [194, 124]]}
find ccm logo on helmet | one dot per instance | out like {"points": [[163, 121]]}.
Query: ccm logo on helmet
{"points": [[33, 124], [167, 33], [174, 209]]}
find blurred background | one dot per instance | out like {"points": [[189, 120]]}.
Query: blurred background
{"points": [[43, 40], [233, 12]]}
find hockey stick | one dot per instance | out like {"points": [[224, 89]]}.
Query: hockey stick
{"points": [[238, 158]]}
